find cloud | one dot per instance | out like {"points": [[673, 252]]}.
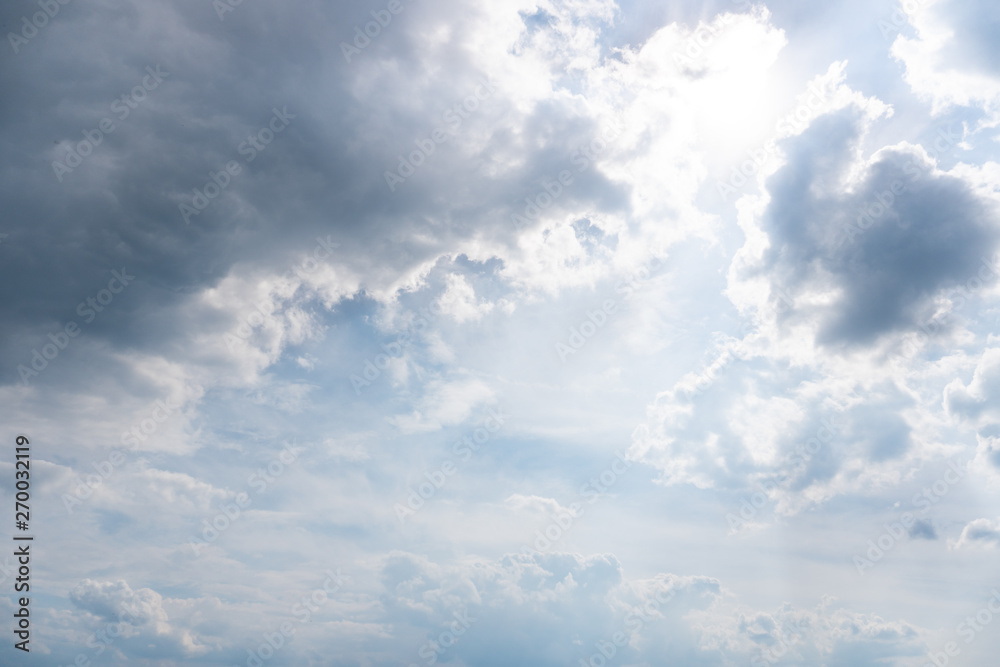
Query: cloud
{"points": [[536, 504], [108, 599], [556, 608], [977, 401], [979, 533], [857, 246], [953, 60], [445, 403], [459, 301], [923, 529], [136, 622]]}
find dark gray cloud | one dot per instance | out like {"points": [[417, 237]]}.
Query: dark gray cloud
{"points": [[923, 529], [321, 175], [884, 248]]}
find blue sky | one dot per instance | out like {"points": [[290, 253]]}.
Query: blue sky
{"points": [[535, 333]]}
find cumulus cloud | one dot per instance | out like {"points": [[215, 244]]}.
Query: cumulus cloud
{"points": [[979, 533], [858, 246], [952, 59], [108, 601], [133, 617], [459, 301], [978, 400], [554, 608]]}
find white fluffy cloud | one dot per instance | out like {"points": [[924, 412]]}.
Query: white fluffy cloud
{"points": [[951, 60]]}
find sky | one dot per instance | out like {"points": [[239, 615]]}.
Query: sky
{"points": [[548, 333]]}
